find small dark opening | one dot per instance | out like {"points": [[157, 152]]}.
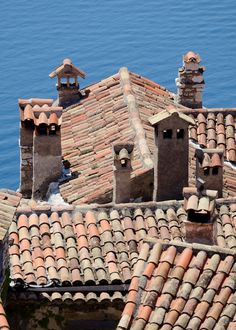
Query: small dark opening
{"points": [[53, 130], [29, 124], [198, 217], [167, 134], [206, 171], [180, 133], [215, 171], [42, 129]]}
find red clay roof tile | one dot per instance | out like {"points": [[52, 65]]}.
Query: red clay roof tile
{"points": [[180, 302]]}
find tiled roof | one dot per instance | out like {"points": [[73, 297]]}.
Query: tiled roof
{"points": [[40, 111], [9, 201], [3, 320], [229, 181], [226, 226], [181, 286], [84, 248], [216, 129], [115, 109], [75, 298], [97, 246]]}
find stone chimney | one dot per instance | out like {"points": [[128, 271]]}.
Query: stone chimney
{"points": [[170, 154], [122, 172], [190, 81], [209, 167], [67, 85], [40, 145]]}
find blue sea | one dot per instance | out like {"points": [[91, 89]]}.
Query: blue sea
{"points": [[149, 37]]}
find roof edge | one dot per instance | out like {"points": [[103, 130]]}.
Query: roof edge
{"points": [[209, 249]]}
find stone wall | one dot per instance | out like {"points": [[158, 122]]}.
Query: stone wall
{"points": [[46, 162], [26, 161]]}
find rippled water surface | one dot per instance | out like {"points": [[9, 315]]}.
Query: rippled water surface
{"points": [[149, 37]]}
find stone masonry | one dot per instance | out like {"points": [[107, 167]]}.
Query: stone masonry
{"points": [[190, 82]]}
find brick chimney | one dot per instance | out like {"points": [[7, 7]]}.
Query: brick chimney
{"points": [[209, 167], [40, 145], [190, 81], [122, 172], [67, 85], [170, 154]]}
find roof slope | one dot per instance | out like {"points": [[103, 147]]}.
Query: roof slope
{"points": [[9, 200], [115, 109], [181, 287], [84, 248], [97, 246]]}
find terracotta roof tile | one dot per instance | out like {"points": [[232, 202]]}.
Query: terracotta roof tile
{"points": [[106, 114], [183, 299], [215, 132], [9, 200], [40, 111]]}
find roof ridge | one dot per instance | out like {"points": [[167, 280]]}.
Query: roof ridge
{"points": [[134, 117], [224, 111]]}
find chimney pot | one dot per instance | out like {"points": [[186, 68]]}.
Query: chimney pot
{"points": [[68, 91], [122, 172], [209, 167]]}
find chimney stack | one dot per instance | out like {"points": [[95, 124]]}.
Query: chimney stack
{"points": [[40, 144], [209, 167], [67, 85], [190, 82], [170, 154], [122, 172]]}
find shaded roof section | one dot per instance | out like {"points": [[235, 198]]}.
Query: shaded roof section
{"points": [[115, 109], [67, 69], [70, 299], [9, 200], [181, 286], [40, 111]]}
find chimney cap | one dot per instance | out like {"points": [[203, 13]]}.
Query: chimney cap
{"points": [[67, 69], [210, 157], [154, 120], [191, 57]]}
